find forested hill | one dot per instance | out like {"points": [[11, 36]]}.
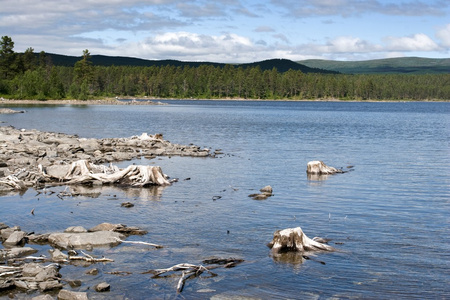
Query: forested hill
{"points": [[401, 65], [282, 65]]}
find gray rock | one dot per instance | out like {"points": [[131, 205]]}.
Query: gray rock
{"points": [[43, 297], [16, 238], [105, 227], [50, 285], [38, 238], [31, 269], [76, 229], [84, 240], [6, 284], [20, 252], [5, 233], [69, 295], [92, 272], [102, 287], [57, 255]]}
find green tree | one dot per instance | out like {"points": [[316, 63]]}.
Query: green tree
{"points": [[29, 60], [8, 59]]}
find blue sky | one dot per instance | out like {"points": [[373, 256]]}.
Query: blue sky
{"points": [[231, 31]]}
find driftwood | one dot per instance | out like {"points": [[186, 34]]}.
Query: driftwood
{"points": [[190, 270], [293, 239], [138, 242], [89, 258], [85, 172]]}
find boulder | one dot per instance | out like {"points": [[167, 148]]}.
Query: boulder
{"points": [[102, 287], [293, 239], [76, 229], [85, 240], [16, 238], [19, 252], [70, 295], [266, 192]]}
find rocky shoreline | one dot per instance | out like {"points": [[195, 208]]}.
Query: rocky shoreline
{"points": [[32, 158], [35, 159], [39, 275], [108, 101]]}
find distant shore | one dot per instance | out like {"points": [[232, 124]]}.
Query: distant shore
{"points": [[159, 101]]}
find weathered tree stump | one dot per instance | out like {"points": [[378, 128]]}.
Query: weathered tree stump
{"points": [[85, 172], [293, 239], [318, 167]]}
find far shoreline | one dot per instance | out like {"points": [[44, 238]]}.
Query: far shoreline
{"points": [[159, 101]]}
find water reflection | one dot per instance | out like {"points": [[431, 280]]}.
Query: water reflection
{"points": [[317, 177], [150, 192], [291, 257]]}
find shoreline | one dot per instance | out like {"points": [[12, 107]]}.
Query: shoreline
{"points": [[158, 101]]}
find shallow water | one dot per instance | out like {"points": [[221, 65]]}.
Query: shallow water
{"points": [[389, 217]]}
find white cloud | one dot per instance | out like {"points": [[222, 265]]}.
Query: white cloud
{"points": [[417, 42], [444, 35], [346, 8]]}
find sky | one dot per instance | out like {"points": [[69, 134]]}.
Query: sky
{"points": [[231, 31]]}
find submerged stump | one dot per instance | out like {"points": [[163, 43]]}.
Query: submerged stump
{"points": [[295, 240], [318, 167]]}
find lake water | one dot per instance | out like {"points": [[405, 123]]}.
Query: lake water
{"points": [[389, 217]]}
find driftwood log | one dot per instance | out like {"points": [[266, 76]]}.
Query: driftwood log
{"points": [[294, 239], [85, 172], [191, 270]]}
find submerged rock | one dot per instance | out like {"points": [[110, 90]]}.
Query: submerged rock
{"points": [[85, 240], [266, 192]]}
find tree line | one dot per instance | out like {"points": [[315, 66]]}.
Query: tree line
{"points": [[30, 76]]}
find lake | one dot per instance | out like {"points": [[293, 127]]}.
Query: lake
{"points": [[389, 217]]}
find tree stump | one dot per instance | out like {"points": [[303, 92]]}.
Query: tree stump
{"points": [[318, 167], [293, 239]]}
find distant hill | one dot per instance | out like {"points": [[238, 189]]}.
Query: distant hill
{"points": [[282, 65], [405, 65]]}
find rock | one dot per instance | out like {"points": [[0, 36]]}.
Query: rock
{"points": [[47, 273], [102, 287], [84, 240], [43, 297], [266, 192], [16, 238], [92, 271], [50, 285], [20, 252], [6, 284], [10, 111], [5, 233], [127, 204], [58, 255], [74, 283], [70, 295], [118, 228], [320, 168], [76, 229], [38, 238], [105, 227], [293, 239], [31, 269]]}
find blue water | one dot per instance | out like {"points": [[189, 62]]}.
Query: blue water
{"points": [[389, 217]]}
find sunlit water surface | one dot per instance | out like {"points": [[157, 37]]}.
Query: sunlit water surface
{"points": [[389, 217]]}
